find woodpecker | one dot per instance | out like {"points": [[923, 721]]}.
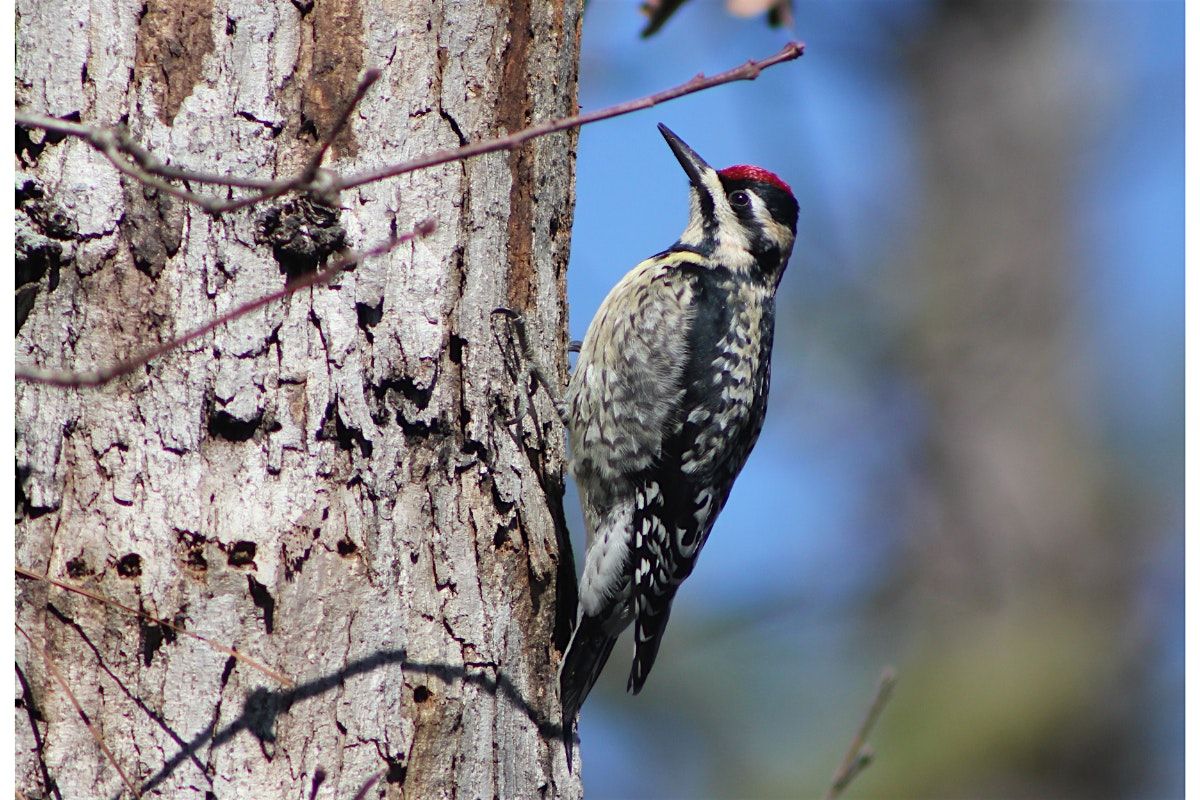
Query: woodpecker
{"points": [[665, 403]]}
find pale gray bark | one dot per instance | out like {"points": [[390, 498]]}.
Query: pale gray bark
{"points": [[332, 484]]}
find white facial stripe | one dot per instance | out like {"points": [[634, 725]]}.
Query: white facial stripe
{"points": [[693, 234], [776, 233], [731, 231], [729, 227]]}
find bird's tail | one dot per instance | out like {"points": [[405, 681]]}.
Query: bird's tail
{"points": [[582, 662]]}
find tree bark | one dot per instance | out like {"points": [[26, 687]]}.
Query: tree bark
{"points": [[333, 484]]}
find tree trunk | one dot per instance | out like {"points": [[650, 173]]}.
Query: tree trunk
{"points": [[1023, 545], [333, 485]]}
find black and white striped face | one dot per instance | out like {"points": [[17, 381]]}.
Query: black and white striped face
{"points": [[765, 212], [739, 211]]}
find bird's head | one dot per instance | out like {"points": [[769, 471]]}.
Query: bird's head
{"points": [[737, 209]]}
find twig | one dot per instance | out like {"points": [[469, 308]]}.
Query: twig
{"points": [[746, 72], [115, 145], [152, 164], [53, 670], [131, 159], [859, 755], [312, 179], [530, 363], [101, 376], [250, 662], [314, 161], [145, 167]]}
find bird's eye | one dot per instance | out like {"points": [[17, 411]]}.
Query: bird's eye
{"points": [[739, 199]]}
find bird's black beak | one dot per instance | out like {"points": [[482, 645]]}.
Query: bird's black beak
{"points": [[692, 164]]}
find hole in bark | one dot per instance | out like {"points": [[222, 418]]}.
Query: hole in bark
{"points": [[328, 429], [345, 547], [28, 188], [402, 397], [421, 694], [242, 554], [408, 389], [308, 128], [416, 429], [414, 556], [348, 436], [153, 636], [129, 566], [192, 545], [505, 507], [77, 567], [29, 146], [369, 316], [456, 349], [396, 771], [223, 425], [471, 447], [196, 559], [37, 257], [266, 603], [499, 537]]}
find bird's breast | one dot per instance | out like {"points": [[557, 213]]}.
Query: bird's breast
{"points": [[729, 377]]}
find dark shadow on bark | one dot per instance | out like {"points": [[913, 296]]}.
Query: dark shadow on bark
{"points": [[566, 595], [35, 715], [158, 720], [263, 707]]}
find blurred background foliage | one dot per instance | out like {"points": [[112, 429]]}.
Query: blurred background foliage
{"points": [[972, 467]]}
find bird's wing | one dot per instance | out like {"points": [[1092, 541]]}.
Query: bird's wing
{"points": [[626, 390], [624, 403]]}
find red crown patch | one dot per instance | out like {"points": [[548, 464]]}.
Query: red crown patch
{"points": [[745, 172]]}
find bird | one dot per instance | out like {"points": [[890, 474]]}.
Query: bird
{"points": [[664, 405]]}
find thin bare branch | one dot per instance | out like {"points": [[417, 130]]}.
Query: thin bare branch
{"points": [[746, 72], [108, 142], [245, 659], [131, 159], [65, 127], [313, 179], [99, 377], [135, 161], [530, 363], [152, 164], [62, 683], [860, 755], [314, 161]]}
